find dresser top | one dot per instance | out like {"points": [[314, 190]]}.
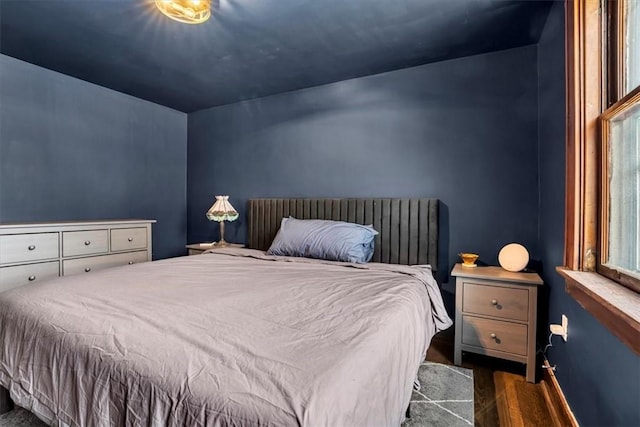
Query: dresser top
{"points": [[496, 273], [9, 225]]}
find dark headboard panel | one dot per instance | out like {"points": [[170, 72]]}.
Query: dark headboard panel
{"points": [[408, 227]]}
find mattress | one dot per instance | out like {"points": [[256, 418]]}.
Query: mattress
{"points": [[234, 337]]}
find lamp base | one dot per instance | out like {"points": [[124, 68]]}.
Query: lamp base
{"points": [[220, 244]]}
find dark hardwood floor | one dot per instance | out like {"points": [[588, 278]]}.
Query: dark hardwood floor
{"points": [[502, 396]]}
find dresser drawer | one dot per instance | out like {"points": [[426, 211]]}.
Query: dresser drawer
{"points": [[126, 239], [495, 335], [28, 247], [11, 277], [87, 242], [94, 263], [495, 301]]}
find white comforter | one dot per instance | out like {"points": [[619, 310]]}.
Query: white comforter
{"points": [[233, 337]]}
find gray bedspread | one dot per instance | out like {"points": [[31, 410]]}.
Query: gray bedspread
{"points": [[233, 337]]}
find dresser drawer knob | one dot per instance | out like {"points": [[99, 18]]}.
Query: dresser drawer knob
{"points": [[494, 302], [493, 336], [130, 262], [87, 269], [87, 242], [32, 247], [32, 278], [130, 239]]}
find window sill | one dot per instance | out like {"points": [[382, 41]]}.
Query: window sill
{"points": [[616, 307]]}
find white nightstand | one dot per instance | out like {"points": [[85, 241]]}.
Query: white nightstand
{"points": [[198, 248], [496, 313]]}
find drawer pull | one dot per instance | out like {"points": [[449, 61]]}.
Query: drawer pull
{"points": [[31, 247], [493, 336], [130, 239], [32, 278], [130, 262], [494, 302], [87, 269], [87, 242]]}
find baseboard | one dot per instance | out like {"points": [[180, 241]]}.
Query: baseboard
{"points": [[557, 403], [5, 401]]}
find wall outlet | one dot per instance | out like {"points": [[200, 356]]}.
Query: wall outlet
{"points": [[562, 330]]}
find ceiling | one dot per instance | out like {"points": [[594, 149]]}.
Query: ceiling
{"points": [[254, 48]]}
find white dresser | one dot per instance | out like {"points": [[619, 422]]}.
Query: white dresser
{"points": [[36, 251]]}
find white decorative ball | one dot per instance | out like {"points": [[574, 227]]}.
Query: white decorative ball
{"points": [[513, 257]]}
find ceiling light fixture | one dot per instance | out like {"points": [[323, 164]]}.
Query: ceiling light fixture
{"points": [[186, 11]]}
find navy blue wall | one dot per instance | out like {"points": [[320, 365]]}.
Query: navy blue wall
{"points": [[73, 150], [463, 130], [599, 375]]}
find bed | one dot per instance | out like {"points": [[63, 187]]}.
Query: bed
{"points": [[234, 337]]}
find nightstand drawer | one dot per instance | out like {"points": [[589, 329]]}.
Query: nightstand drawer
{"points": [[494, 335], [28, 247], [12, 277], [126, 239], [88, 242], [495, 301], [87, 265]]}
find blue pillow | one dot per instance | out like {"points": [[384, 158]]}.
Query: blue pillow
{"points": [[323, 239]]}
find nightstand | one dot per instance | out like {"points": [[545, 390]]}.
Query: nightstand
{"points": [[198, 248], [496, 313]]}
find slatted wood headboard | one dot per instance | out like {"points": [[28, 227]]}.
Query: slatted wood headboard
{"points": [[408, 227]]}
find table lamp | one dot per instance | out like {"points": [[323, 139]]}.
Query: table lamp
{"points": [[222, 211]]}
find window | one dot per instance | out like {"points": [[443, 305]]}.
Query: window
{"points": [[631, 50], [619, 231], [602, 224]]}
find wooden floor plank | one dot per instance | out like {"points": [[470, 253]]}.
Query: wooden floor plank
{"points": [[485, 397]]}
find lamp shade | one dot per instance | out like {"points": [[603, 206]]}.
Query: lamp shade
{"points": [[222, 210], [513, 257]]}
